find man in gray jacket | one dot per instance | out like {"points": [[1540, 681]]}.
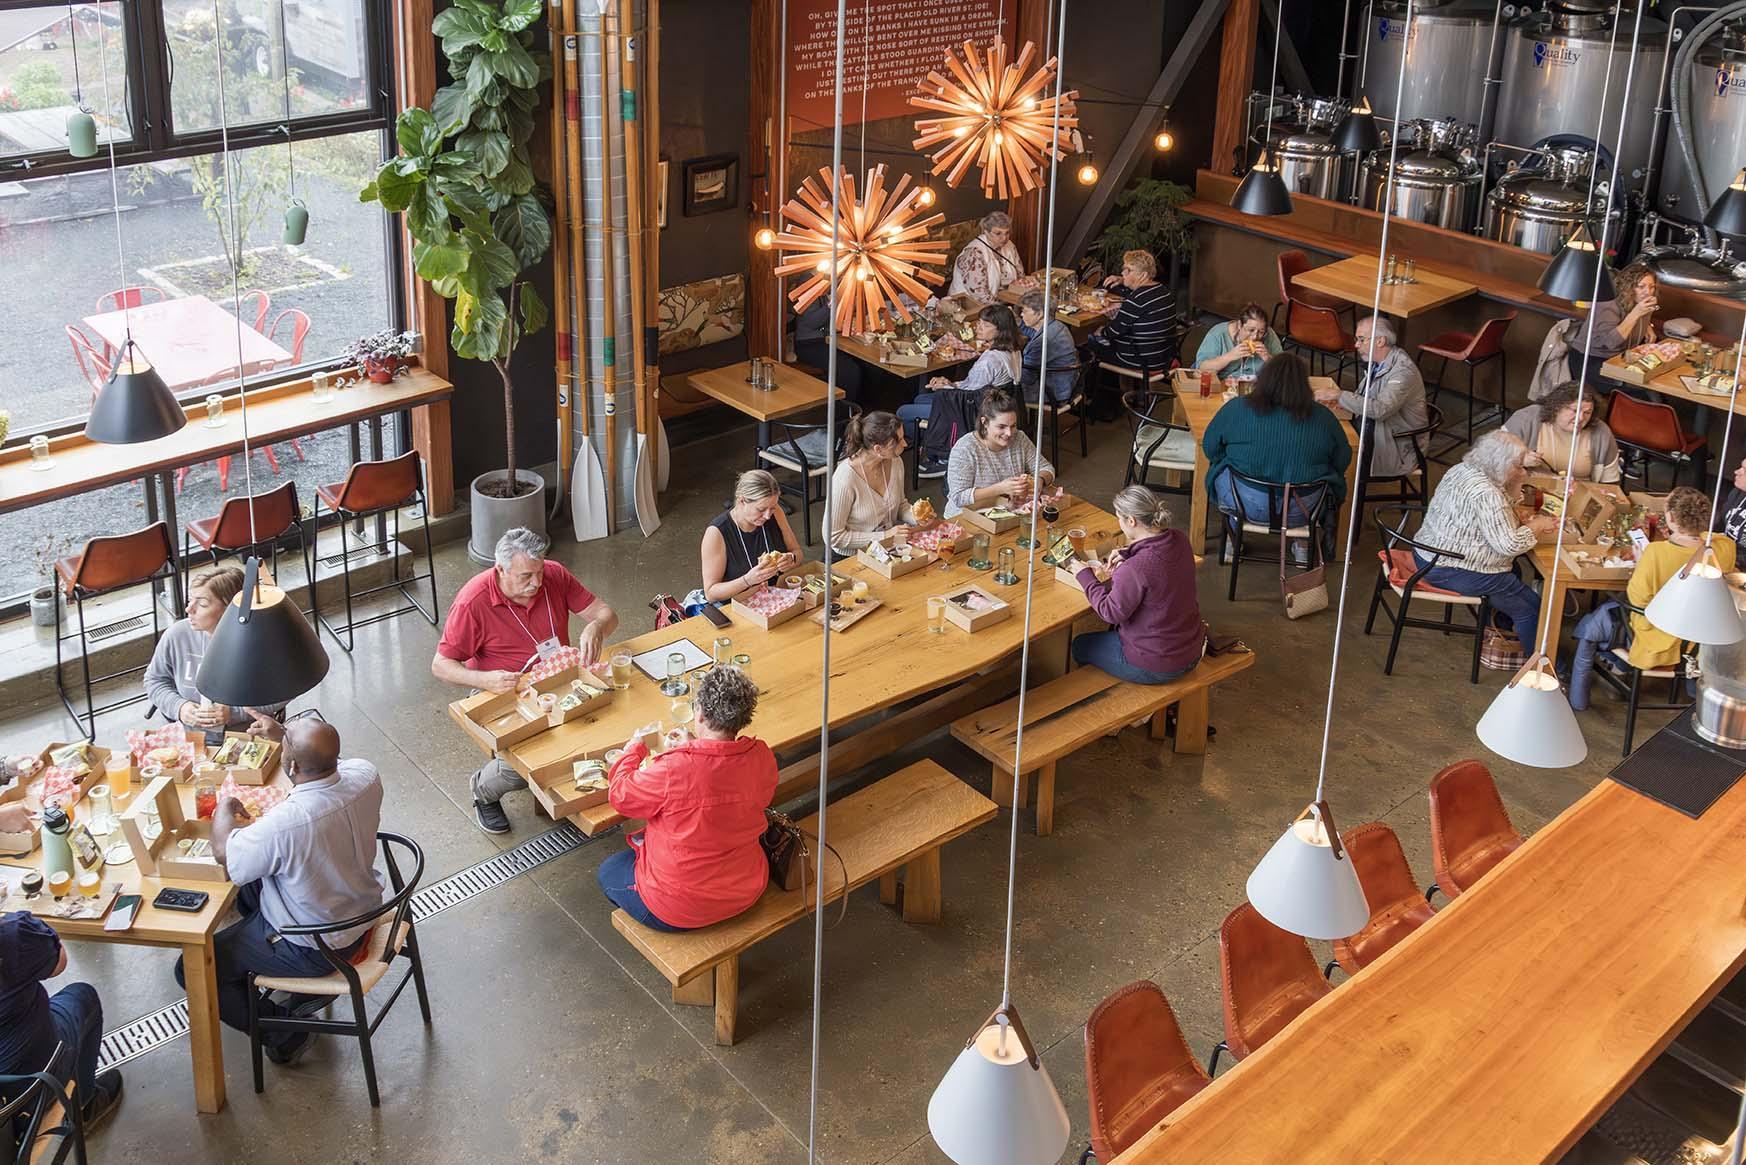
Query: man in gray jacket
{"points": [[1391, 393]]}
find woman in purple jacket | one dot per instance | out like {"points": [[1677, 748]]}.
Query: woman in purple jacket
{"points": [[1146, 593]]}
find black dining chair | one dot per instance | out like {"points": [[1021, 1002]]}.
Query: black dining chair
{"points": [[1626, 679], [1401, 573], [47, 1116], [1273, 524], [391, 937], [1411, 487], [803, 449]]}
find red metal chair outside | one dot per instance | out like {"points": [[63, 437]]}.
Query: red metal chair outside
{"points": [[1653, 431], [107, 564], [260, 304], [371, 488], [231, 532], [1470, 832], [299, 331], [1396, 906], [137, 296], [1473, 349], [1138, 1067], [93, 366], [1269, 978]]}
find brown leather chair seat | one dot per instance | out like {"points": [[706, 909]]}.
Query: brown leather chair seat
{"points": [[1269, 978], [1397, 908], [1470, 832], [1138, 1067]]}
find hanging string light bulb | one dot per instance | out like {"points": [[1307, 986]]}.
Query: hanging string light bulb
{"points": [[994, 115]]}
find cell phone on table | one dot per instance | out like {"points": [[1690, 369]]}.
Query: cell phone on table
{"points": [[716, 615], [189, 901], [122, 914]]}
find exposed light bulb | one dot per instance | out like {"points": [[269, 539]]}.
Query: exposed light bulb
{"points": [[1165, 141], [764, 239], [925, 197], [1088, 173], [999, 138], [960, 131], [823, 267]]}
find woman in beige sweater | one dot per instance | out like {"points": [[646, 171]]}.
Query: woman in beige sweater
{"points": [[867, 499]]}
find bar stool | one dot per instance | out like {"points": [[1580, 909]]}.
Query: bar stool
{"points": [[1474, 349], [372, 488], [106, 565], [1648, 431], [233, 532]]}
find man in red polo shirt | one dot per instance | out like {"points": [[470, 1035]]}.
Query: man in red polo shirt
{"points": [[501, 623]]}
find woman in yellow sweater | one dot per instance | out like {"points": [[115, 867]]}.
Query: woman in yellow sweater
{"points": [[1688, 516]]}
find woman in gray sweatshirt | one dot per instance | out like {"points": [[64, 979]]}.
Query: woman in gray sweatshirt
{"points": [[169, 678]]}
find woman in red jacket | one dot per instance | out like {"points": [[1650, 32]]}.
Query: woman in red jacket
{"points": [[697, 861], [1147, 594]]}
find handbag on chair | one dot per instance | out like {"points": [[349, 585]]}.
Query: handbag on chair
{"points": [[1500, 650], [1305, 592]]}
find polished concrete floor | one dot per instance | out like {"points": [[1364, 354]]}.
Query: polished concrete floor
{"points": [[552, 1040]]}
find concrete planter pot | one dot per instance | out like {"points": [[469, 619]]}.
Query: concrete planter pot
{"points": [[45, 607], [493, 516]]}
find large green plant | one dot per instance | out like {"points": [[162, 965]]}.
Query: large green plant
{"points": [[1147, 216], [464, 183]]}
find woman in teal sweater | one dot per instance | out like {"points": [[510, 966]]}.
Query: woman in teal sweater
{"points": [[1278, 433], [1236, 350]]}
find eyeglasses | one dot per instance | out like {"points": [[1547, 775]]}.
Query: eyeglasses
{"points": [[306, 714]]}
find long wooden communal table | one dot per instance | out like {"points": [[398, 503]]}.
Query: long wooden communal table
{"points": [[1667, 382], [1504, 1027], [1197, 413], [888, 663], [873, 354]]}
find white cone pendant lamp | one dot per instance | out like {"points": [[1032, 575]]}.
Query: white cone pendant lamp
{"points": [[1307, 884], [1531, 721], [997, 1105], [1697, 605]]}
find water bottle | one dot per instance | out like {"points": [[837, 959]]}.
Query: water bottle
{"points": [[57, 849]]}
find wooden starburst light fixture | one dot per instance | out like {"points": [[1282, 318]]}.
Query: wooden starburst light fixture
{"points": [[882, 249], [995, 117]]}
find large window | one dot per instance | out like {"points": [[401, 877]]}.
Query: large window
{"points": [[306, 112]]}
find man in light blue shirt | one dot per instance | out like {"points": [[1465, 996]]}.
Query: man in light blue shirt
{"points": [[308, 861]]}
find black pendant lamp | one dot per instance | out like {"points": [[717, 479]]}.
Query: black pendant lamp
{"points": [[1727, 214], [1357, 132], [134, 404], [1573, 271], [1262, 190], [263, 650]]}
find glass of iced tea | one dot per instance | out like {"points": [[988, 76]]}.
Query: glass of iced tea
{"points": [[205, 800], [621, 670]]}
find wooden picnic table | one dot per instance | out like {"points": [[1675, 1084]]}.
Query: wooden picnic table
{"points": [[1197, 413], [892, 680], [1504, 1027], [190, 340], [1354, 280]]}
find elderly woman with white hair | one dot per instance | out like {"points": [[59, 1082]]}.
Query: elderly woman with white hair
{"points": [[989, 261], [1473, 515], [505, 620], [749, 543]]}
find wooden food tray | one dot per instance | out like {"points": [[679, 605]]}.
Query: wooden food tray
{"points": [[975, 620], [1591, 569], [759, 619], [918, 559], [159, 857], [591, 688], [852, 614], [99, 765]]}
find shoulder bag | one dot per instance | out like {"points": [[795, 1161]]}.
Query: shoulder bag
{"points": [[1306, 592], [793, 863]]}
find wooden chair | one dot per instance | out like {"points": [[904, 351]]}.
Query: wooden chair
{"points": [[1630, 684], [1138, 1068], [1652, 432], [1411, 487], [1401, 573], [275, 515], [108, 564], [45, 1115], [391, 937], [1470, 831], [1396, 906], [1268, 978], [1157, 443], [371, 488], [1273, 524], [802, 449], [1473, 349]]}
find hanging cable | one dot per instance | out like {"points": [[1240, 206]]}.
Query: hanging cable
{"points": [[1728, 429], [285, 69], [824, 715], [114, 188]]}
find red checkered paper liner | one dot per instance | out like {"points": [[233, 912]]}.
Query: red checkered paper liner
{"points": [[59, 785], [1047, 499], [930, 539], [770, 600], [559, 660], [257, 799], [140, 742]]}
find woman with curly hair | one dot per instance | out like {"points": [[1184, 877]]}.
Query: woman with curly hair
{"points": [[1556, 431]]}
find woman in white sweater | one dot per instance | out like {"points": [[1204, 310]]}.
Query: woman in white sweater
{"points": [[1473, 514], [867, 500]]}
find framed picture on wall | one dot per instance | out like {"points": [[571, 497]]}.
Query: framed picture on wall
{"points": [[712, 184], [661, 194]]}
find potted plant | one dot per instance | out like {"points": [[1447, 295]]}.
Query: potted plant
{"points": [[464, 183], [45, 600], [1147, 216], [382, 355]]}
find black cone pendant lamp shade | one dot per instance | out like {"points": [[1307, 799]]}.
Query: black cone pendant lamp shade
{"points": [[1357, 132], [263, 651], [1572, 272], [1262, 190], [135, 404], [1728, 213]]}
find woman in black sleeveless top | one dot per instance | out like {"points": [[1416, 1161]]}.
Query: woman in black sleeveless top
{"points": [[732, 544]]}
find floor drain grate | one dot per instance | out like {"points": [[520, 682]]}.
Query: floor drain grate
{"points": [[169, 1023], [119, 627], [361, 552]]}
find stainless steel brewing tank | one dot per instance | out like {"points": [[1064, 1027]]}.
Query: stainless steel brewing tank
{"points": [[1720, 715], [1428, 187], [1535, 212], [1446, 54], [1698, 269], [1717, 91], [1309, 163], [1554, 67]]}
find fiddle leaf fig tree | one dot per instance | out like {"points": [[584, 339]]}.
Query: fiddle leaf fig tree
{"points": [[464, 184]]}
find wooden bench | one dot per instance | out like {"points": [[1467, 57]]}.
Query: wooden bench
{"points": [[1068, 713], [899, 822]]}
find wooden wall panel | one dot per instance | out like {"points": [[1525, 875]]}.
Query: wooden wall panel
{"points": [[1236, 81]]}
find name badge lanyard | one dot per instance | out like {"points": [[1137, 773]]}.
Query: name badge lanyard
{"points": [[544, 648]]}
